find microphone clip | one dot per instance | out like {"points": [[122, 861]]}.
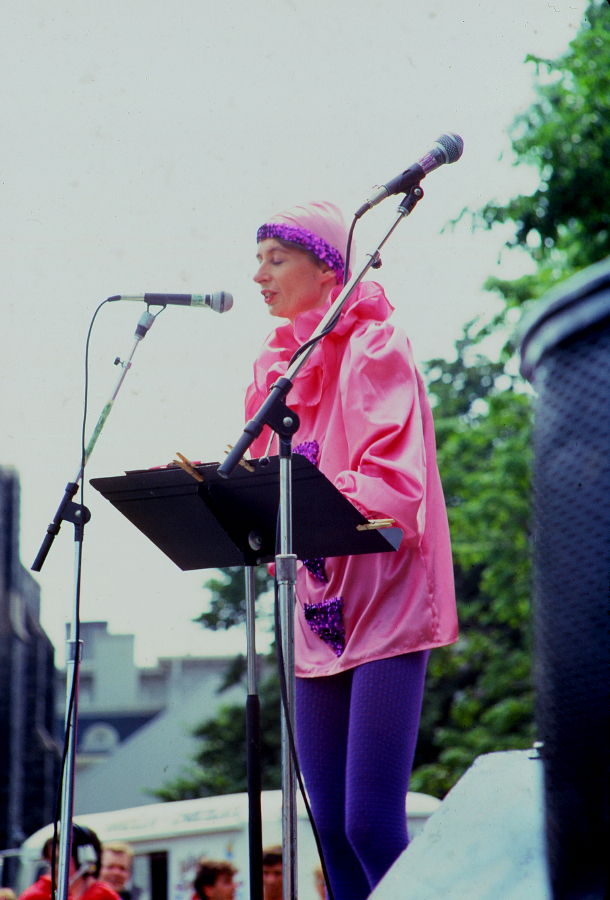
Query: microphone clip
{"points": [[376, 262], [410, 200]]}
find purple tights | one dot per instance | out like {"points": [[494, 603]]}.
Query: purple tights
{"points": [[356, 736]]}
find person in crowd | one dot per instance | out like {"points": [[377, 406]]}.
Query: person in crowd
{"points": [[7, 893], [365, 624], [272, 873], [85, 861], [215, 880], [117, 868]]}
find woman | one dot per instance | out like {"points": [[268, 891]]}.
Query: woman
{"points": [[364, 625]]}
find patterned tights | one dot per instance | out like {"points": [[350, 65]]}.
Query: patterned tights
{"points": [[356, 737]]}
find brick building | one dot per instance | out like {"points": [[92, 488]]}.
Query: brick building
{"points": [[29, 753]]}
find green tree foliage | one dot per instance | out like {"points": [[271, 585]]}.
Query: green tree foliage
{"points": [[228, 606], [565, 134], [479, 695], [479, 691]]}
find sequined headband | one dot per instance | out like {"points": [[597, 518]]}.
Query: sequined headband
{"points": [[307, 239]]}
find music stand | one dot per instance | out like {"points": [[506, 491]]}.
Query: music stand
{"points": [[222, 522], [219, 522]]}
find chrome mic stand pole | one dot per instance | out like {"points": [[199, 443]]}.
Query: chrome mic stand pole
{"points": [[286, 568]]}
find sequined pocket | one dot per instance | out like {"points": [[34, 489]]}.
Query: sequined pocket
{"points": [[326, 621]]}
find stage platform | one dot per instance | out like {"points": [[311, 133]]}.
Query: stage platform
{"points": [[484, 842]]}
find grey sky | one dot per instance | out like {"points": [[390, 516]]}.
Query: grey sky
{"points": [[143, 143]]}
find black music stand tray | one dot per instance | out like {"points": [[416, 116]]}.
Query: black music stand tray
{"points": [[223, 522], [219, 522]]}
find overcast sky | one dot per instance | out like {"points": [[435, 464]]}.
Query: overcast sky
{"points": [[143, 143]]}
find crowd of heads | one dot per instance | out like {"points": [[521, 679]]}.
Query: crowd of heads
{"points": [[112, 863], [215, 879]]}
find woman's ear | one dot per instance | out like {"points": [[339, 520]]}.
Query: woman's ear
{"points": [[330, 274]]}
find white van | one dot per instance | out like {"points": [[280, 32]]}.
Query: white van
{"points": [[170, 838]]}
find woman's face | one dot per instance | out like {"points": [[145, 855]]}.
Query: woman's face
{"points": [[290, 280]]}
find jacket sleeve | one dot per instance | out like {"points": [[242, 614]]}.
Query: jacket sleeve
{"points": [[381, 395]]}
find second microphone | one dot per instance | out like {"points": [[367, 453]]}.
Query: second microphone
{"points": [[220, 301]]}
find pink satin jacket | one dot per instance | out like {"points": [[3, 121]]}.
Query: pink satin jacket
{"points": [[366, 421]]}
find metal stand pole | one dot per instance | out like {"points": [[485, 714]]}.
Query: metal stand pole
{"points": [[253, 741], [73, 659], [79, 515], [286, 568]]}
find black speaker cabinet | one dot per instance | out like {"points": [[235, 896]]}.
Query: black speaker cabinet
{"points": [[565, 353]]}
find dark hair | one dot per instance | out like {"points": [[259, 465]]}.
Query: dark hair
{"points": [[47, 849], [272, 855], [208, 872], [82, 838]]}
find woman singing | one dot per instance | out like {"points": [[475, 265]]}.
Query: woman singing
{"points": [[364, 625]]}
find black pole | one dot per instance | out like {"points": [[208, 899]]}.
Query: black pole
{"points": [[253, 740]]}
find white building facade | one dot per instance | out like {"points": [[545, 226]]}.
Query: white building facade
{"points": [[135, 724]]}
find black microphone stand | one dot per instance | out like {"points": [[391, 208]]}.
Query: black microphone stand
{"points": [[78, 515], [274, 412]]}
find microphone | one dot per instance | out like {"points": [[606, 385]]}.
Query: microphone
{"points": [[446, 149], [221, 301]]}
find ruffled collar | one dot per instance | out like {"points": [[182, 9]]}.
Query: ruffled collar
{"points": [[367, 303]]}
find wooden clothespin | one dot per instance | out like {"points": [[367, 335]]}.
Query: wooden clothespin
{"points": [[187, 465], [375, 523], [243, 462]]}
